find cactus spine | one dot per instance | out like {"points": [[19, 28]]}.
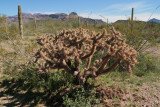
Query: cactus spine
{"points": [[20, 20]]}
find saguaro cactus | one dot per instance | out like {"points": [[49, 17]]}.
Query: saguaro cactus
{"points": [[132, 14], [95, 23], [35, 22], [20, 20], [132, 19], [79, 21], [86, 22]]}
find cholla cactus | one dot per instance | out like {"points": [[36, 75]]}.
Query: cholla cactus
{"points": [[69, 48]]}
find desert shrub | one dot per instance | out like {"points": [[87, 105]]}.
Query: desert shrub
{"points": [[8, 29], [147, 63], [103, 25], [47, 82], [52, 26], [13, 31], [68, 49], [140, 37], [8, 35], [45, 26], [3, 24], [81, 97], [75, 24]]}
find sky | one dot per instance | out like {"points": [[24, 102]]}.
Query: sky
{"points": [[112, 10]]}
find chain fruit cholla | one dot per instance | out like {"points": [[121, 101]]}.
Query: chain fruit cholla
{"points": [[67, 49]]}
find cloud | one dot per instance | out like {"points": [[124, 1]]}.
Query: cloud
{"points": [[122, 11], [48, 12], [125, 8], [113, 18], [34, 12], [146, 16]]}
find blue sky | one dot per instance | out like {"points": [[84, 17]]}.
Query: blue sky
{"points": [[98, 9]]}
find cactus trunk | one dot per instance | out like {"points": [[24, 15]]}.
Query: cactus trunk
{"points": [[132, 19], [86, 22], [35, 22], [6, 26], [79, 21], [20, 20], [95, 23]]}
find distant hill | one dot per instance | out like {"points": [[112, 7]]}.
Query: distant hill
{"points": [[60, 16], [126, 21], [151, 20], [154, 20]]}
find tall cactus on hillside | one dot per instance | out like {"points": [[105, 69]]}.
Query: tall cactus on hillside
{"points": [[79, 21], [132, 19], [86, 22], [20, 20], [95, 23], [35, 22]]}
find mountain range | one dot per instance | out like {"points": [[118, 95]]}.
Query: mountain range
{"points": [[154, 20], [60, 16], [64, 17], [151, 20]]}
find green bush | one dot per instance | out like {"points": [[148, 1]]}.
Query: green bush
{"points": [[81, 97], [137, 37], [146, 64], [50, 81]]}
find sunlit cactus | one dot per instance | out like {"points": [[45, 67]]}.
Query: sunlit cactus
{"points": [[79, 22], [35, 22], [132, 19], [86, 22], [95, 23], [20, 20], [69, 48]]}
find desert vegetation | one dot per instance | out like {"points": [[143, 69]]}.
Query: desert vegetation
{"points": [[72, 63], [68, 49]]}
